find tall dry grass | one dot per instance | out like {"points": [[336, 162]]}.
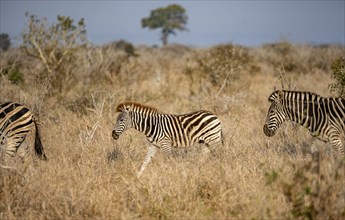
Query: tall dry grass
{"points": [[89, 175]]}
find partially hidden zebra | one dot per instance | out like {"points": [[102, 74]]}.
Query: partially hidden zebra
{"points": [[16, 121], [324, 117], [164, 131]]}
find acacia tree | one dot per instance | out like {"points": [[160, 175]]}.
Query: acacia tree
{"points": [[169, 19]]}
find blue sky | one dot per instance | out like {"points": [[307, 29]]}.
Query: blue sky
{"points": [[250, 23]]}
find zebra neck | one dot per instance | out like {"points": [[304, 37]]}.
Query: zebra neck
{"points": [[144, 123], [300, 112]]}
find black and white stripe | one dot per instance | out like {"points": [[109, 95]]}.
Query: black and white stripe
{"points": [[165, 131], [324, 117], [16, 121]]}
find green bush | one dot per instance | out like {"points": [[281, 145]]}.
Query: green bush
{"points": [[15, 76], [11, 69]]}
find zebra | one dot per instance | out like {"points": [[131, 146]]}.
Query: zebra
{"points": [[323, 117], [164, 131], [16, 121]]}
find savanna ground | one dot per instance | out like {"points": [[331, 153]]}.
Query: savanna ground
{"points": [[90, 175]]}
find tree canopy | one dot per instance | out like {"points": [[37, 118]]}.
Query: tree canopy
{"points": [[169, 19]]}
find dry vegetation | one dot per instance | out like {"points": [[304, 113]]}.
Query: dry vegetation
{"points": [[89, 175]]}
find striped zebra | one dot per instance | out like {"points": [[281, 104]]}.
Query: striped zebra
{"points": [[165, 130], [16, 121], [324, 117]]}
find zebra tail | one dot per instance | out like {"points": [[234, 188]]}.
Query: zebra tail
{"points": [[222, 137], [38, 145]]}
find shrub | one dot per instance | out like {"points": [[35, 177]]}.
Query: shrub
{"points": [[15, 75], [55, 46], [283, 54], [301, 59], [338, 73], [5, 42], [125, 46], [11, 68], [222, 65]]}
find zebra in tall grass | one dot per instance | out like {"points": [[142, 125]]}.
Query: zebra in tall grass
{"points": [[16, 121], [165, 131], [324, 117]]}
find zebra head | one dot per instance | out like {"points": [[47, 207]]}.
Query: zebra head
{"points": [[276, 114], [123, 121]]}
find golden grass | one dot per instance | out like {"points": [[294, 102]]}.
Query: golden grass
{"points": [[89, 175]]}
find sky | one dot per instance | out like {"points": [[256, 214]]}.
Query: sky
{"points": [[249, 23]]}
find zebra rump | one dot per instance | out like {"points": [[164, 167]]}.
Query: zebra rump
{"points": [[16, 121]]}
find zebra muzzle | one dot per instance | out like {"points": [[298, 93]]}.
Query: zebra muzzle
{"points": [[268, 132], [115, 136]]}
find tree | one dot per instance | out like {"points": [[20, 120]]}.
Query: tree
{"points": [[5, 42], [169, 19]]}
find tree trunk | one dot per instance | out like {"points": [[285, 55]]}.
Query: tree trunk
{"points": [[164, 38]]}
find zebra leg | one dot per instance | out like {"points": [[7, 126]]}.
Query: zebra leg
{"points": [[25, 156], [211, 146], [201, 148], [338, 146], [23, 151], [167, 149], [336, 142], [151, 150], [340, 149], [3, 148], [205, 149]]}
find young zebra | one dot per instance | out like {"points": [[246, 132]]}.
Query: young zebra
{"points": [[166, 131], [324, 117], [16, 121]]}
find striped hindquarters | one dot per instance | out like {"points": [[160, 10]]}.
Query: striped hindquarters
{"points": [[16, 121], [199, 127]]}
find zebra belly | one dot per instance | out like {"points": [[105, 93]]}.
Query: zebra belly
{"points": [[172, 142]]}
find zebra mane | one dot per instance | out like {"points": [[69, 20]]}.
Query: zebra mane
{"points": [[134, 106], [273, 96], [283, 94]]}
